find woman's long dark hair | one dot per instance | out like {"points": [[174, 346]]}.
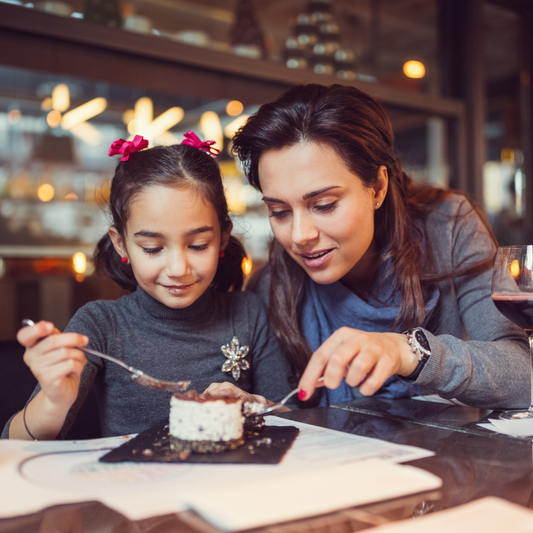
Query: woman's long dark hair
{"points": [[359, 130], [174, 166]]}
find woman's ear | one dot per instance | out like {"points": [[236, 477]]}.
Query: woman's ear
{"points": [[381, 186], [224, 238], [118, 241]]}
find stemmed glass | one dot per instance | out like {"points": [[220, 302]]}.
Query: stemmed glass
{"points": [[512, 293]]}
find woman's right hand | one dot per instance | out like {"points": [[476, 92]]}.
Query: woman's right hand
{"points": [[54, 360]]}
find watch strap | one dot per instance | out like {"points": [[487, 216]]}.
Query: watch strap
{"points": [[419, 345]]}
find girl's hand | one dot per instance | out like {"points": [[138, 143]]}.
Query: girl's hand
{"points": [[228, 390], [365, 359], [54, 360]]}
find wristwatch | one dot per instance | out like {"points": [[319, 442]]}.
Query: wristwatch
{"points": [[419, 345]]}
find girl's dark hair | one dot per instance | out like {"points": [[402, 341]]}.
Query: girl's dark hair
{"points": [[174, 166], [357, 127]]}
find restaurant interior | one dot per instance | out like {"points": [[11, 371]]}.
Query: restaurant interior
{"points": [[453, 76]]}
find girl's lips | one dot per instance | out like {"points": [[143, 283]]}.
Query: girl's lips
{"points": [[316, 259], [178, 289]]}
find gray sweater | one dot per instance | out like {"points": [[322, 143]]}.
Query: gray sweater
{"points": [[478, 356], [171, 344]]}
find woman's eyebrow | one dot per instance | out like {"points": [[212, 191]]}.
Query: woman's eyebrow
{"points": [[306, 196], [320, 191]]}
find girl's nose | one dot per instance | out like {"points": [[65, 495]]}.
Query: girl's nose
{"points": [[303, 228], [177, 264]]}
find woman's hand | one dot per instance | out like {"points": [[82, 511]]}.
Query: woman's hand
{"points": [[228, 390], [54, 360], [363, 358]]}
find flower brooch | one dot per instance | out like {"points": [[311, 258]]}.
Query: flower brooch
{"points": [[236, 361]]}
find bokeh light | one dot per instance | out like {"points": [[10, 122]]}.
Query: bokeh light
{"points": [[45, 192], [414, 69]]}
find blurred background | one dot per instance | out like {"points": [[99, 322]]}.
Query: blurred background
{"points": [[454, 76]]}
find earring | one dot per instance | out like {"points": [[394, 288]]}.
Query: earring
{"points": [[124, 259], [377, 204], [221, 254]]}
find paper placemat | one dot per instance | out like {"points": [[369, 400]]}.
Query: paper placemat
{"points": [[304, 494]]}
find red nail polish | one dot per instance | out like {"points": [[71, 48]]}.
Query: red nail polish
{"points": [[302, 394]]}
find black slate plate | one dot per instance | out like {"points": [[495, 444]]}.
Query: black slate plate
{"points": [[265, 446]]}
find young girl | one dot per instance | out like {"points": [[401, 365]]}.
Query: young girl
{"points": [[170, 244]]}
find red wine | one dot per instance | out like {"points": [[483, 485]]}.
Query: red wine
{"points": [[516, 306]]}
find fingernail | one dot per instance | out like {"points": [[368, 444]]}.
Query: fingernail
{"points": [[86, 339], [49, 326], [302, 394]]}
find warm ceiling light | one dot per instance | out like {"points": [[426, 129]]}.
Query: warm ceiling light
{"points": [[144, 112], [46, 104], [61, 97], [84, 112], [162, 123], [212, 129], [13, 116], [45, 192], [53, 118], [234, 108], [247, 265], [87, 133], [128, 116], [231, 129], [71, 196], [79, 263], [414, 69]]}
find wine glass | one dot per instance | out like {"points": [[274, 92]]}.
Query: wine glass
{"points": [[512, 294]]}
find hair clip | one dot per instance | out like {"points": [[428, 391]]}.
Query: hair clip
{"points": [[120, 146], [193, 140]]}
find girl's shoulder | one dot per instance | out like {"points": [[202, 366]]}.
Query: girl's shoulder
{"points": [[98, 312]]}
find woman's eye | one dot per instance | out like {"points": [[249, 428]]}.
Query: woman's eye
{"points": [[152, 250], [326, 208], [198, 247], [278, 214]]}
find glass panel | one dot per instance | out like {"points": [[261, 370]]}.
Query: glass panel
{"points": [[503, 176], [421, 144]]}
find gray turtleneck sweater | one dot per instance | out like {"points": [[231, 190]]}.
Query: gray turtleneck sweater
{"points": [[171, 344]]}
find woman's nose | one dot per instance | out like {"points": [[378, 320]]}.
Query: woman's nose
{"points": [[303, 228]]}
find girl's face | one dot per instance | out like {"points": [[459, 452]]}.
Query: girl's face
{"points": [[321, 212], [172, 240]]}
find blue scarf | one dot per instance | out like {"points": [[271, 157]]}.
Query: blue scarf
{"points": [[327, 308]]}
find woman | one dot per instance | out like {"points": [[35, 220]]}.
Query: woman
{"points": [[380, 285]]}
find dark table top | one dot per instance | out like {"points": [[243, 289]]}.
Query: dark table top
{"points": [[471, 461]]}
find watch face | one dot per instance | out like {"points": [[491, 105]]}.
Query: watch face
{"points": [[421, 338]]}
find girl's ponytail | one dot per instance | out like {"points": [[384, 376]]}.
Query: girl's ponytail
{"points": [[229, 274], [107, 262]]}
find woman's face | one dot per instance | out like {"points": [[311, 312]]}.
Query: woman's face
{"points": [[172, 241], [321, 212]]}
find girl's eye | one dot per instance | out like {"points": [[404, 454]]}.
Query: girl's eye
{"points": [[152, 250], [278, 214], [326, 208], [198, 247]]}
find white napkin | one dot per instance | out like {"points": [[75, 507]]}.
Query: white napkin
{"points": [[515, 428], [489, 515], [308, 493]]}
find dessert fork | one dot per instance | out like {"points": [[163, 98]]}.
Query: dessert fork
{"points": [[277, 406], [137, 375]]}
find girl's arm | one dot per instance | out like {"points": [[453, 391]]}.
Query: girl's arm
{"points": [[57, 365]]}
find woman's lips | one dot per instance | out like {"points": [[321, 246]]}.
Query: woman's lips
{"points": [[316, 259]]}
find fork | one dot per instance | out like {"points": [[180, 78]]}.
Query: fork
{"points": [[137, 375], [277, 406]]}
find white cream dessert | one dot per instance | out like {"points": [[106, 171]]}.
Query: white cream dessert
{"points": [[205, 424]]}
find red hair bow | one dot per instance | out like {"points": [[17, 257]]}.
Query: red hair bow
{"points": [[120, 146], [193, 140]]}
